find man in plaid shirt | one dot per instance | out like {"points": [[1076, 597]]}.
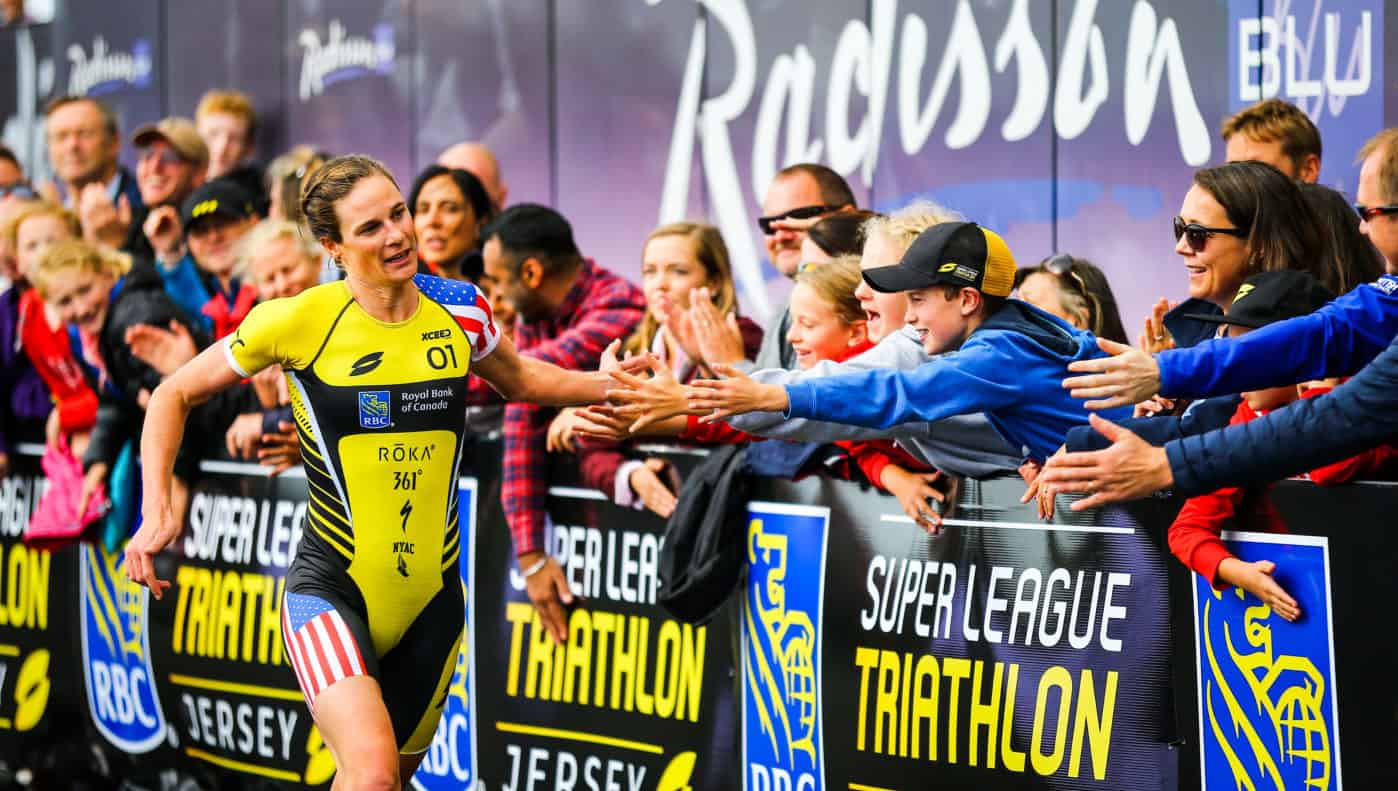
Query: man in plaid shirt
{"points": [[569, 310]]}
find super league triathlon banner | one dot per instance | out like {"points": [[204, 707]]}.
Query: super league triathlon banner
{"points": [[633, 700], [216, 655], [1004, 653]]}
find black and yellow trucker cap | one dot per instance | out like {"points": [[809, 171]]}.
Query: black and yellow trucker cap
{"points": [[952, 253]]}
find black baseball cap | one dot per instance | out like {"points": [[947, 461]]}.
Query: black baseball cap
{"points": [[953, 253], [1269, 297], [218, 198]]}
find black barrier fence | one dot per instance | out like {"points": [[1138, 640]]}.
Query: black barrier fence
{"points": [[860, 653]]}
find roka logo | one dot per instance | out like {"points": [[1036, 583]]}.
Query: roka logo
{"points": [[342, 57], [107, 70]]}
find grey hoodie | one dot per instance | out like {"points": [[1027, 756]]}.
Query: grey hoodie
{"points": [[964, 445]]}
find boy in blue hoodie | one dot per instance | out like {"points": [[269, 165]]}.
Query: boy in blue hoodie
{"points": [[1010, 357]]}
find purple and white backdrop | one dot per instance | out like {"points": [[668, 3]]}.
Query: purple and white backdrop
{"points": [[1068, 125]]}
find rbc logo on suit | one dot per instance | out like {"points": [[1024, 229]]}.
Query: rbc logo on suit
{"points": [[375, 408]]}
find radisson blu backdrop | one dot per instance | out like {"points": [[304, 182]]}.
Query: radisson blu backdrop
{"points": [[1068, 125]]}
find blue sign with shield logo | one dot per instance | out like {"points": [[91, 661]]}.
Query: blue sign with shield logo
{"points": [[785, 547], [121, 690], [1268, 712], [449, 762], [375, 408]]}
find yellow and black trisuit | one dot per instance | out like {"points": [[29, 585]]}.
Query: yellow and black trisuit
{"points": [[380, 410]]}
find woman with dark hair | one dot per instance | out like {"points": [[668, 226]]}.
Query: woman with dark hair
{"points": [[1074, 290], [1237, 220], [1348, 254], [450, 207]]}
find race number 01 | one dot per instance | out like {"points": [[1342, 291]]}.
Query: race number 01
{"points": [[439, 356]]}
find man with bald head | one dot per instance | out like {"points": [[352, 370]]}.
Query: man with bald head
{"points": [[476, 159]]}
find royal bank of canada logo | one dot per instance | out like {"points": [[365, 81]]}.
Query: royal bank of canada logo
{"points": [[375, 408], [104, 70], [781, 647], [116, 654], [1268, 717], [449, 762], [342, 56]]}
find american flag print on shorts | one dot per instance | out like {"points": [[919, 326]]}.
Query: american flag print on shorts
{"points": [[321, 648]]}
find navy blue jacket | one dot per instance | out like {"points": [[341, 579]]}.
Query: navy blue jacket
{"points": [[1201, 416], [1310, 433]]}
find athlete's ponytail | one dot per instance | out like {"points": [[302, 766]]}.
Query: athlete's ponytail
{"points": [[331, 182]]}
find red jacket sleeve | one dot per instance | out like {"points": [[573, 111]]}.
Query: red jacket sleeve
{"points": [[598, 463], [1193, 537]]}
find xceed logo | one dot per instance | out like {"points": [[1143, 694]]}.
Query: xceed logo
{"points": [[107, 70], [375, 408], [116, 654], [366, 363], [435, 334], [342, 57]]}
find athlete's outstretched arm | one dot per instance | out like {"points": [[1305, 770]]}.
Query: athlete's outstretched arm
{"points": [[519, 377], [196, 382]]}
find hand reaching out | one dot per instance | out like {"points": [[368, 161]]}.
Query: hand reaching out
{"points": [[1256, 578], [735, 394], [913, 490], [561, 431], [165, 350], [1129, 376], [648, 401]]}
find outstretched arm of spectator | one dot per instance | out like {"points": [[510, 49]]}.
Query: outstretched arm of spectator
{"points": [[166, 414], [1309, 433]]}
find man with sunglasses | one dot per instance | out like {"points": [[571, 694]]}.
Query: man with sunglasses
{"points": [[799, 196]]}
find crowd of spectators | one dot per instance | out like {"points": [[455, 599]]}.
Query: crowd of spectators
{"points": [[913, 351]]}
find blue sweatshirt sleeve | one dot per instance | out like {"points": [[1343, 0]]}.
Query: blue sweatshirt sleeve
{"points": [[972, 380], [1336, 340], [1309, 433]]}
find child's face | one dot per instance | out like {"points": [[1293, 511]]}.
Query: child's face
{"points": [[817, 333], [942, 324], [80, 299], [1272, 397], [883, 311]]}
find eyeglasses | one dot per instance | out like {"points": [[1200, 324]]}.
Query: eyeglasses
{"points": [[1368, 213], [1064, 266], [1198, 235], [802, 213], [166, 157]]}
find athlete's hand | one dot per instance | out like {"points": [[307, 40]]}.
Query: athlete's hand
{"points": [[648, 401], [549, 593], [158, 528]]}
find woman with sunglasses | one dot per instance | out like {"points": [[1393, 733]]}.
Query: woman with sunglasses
{"points": [[1237, 220], [1074, 290]]}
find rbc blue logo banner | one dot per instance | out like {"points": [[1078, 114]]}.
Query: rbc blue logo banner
{"points": [[448, 764], [781, 647], [1268, 717], [374, 408], [116, 653]]}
